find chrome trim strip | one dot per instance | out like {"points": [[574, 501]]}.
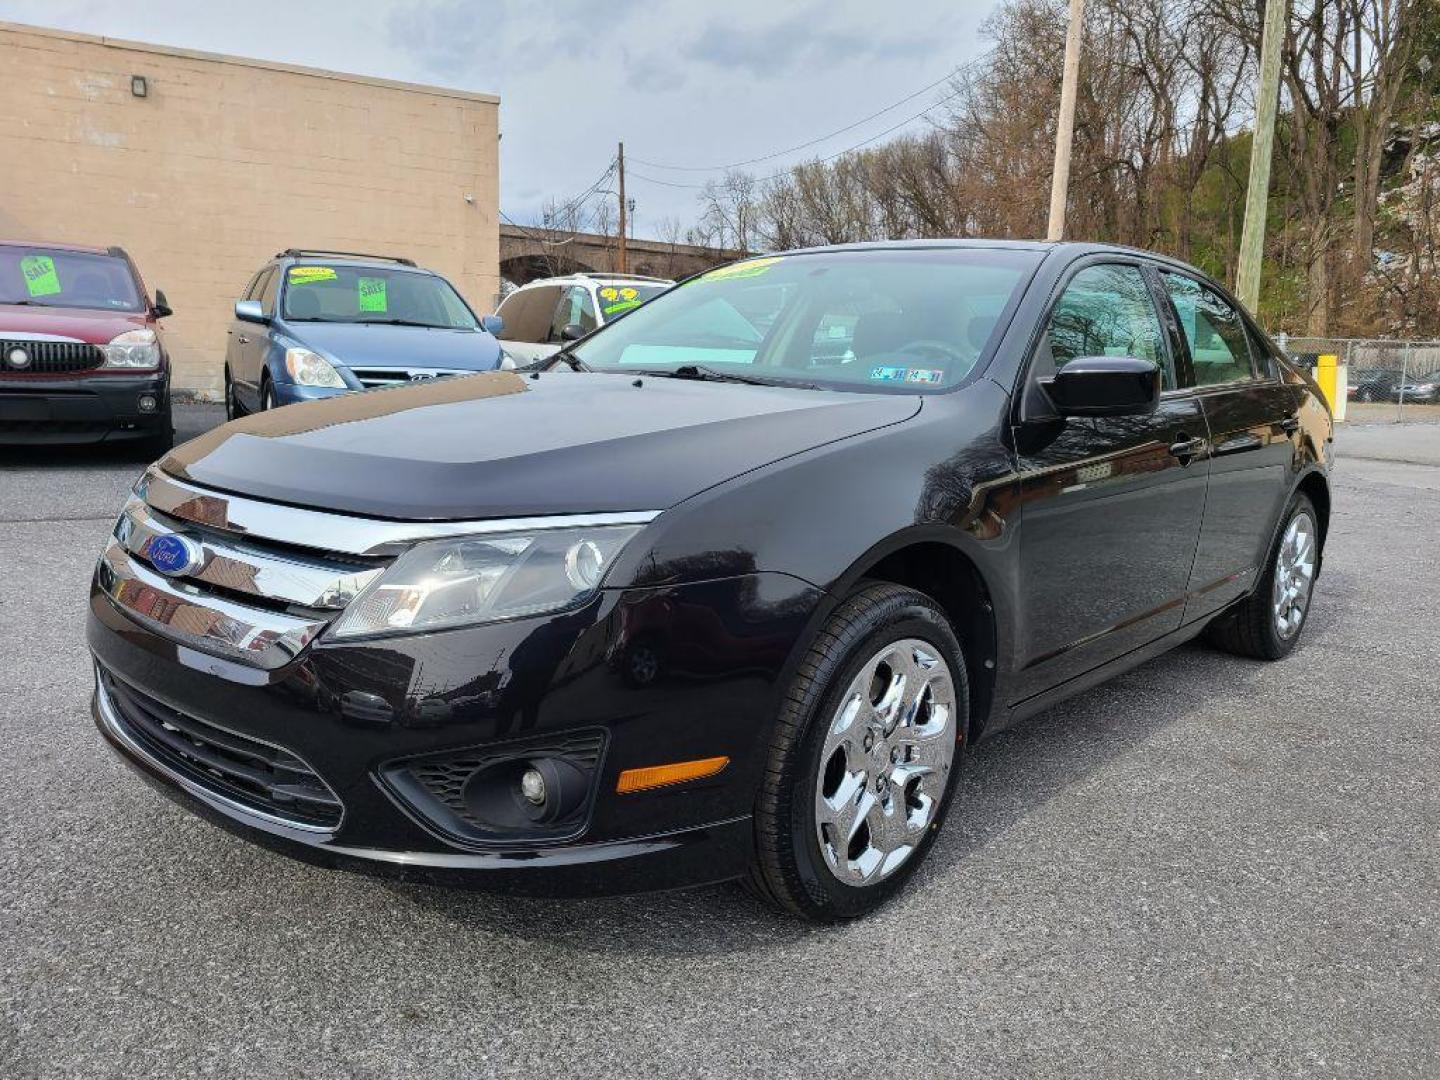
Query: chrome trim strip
{"points": [[322, 530], [105, 706], [16, 335], [179, 612], [247, 568]]}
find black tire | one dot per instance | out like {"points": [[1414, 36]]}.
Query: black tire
{"points": [[789, 869], [267, 396], [232, 405], [1251, 627]]}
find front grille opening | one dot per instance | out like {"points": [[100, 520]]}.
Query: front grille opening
{"points": [[434, 786], [258, 775], [52, 357]]}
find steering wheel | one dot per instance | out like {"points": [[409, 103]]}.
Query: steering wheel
{"points": [[941, 350]]}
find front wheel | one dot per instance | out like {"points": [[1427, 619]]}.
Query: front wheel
{"points": [[1267, 624], [864, 758]]}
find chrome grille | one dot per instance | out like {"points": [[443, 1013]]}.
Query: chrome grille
{"points": [[49, 357], [374, 378]]}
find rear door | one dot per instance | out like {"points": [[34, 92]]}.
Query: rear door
{"points": [[1251, 414], [1111, 506], [235, 339]]}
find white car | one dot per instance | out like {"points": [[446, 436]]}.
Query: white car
{"points": [[544, 315]]}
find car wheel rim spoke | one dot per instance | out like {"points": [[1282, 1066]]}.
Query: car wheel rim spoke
{"points": [[889, 748], [1294, 575]]}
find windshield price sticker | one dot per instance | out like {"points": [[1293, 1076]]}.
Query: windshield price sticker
{"points": [[748, 269], [924, 375], [372, 294], [618, 300], [41, 278], [307, 275]]}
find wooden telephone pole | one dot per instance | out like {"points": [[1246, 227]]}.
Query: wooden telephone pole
{"points": [[1257, 192], [622, 257], [1065, 128]]}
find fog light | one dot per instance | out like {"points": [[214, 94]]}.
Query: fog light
{"points": [[148, 403], [532, 787]]}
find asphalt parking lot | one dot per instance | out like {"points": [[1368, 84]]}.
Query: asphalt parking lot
{"points": [[1208, 867]]}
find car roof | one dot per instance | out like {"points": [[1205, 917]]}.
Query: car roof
{"points": [[84, 249], [368, 262], [597, 279]]}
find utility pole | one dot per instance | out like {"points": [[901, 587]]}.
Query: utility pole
{"points": [[1065, 128], [622, 257], [1257, 192]]}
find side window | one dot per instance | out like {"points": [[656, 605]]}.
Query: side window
{"points": [[1219, 348], [268, 291], [251, 291], [1106, 310], [576, 306]]}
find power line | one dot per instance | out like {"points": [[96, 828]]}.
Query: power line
{"points": [[801, 146], [817, 161]]}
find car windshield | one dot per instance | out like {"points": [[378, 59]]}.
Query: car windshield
{"points": [[67, 279], [329, 292], [916, 319]]}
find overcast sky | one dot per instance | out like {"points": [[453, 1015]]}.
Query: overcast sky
{"points": [[681, 82]]}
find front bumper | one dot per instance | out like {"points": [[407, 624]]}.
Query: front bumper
{"points": [[83, 409], [667, 674]]}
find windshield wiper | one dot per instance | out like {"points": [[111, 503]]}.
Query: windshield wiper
{"points": [[402, 322], [565, 356], [701, 373]]}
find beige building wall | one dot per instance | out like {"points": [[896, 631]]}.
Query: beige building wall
{"points": [[228, 160]]}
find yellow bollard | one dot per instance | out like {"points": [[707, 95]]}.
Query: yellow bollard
{"points": [[1326, 365]]}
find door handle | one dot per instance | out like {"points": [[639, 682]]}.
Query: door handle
{"points": [[243, 340], [1290, 424], [1187, 449]]}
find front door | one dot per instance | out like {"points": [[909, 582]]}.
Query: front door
{"points": [[1112, 506], [1249, 412]]}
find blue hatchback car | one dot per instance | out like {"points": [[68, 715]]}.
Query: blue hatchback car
{"points": [[314, 324]]}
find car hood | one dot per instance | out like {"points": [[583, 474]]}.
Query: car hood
{"points": [[503, 445], [96, 326], [370, 345]]}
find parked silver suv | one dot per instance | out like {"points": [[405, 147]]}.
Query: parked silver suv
{"points": [[542, 316]]}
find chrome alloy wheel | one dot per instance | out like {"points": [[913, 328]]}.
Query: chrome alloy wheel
{"points": [[1294, 575], [885, 762]]}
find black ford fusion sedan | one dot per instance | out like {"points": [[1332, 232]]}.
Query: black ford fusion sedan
{"points": [[732, 597]]}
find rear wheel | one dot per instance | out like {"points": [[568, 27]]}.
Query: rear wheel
{"points": [[232, 403], [864, 758], [1267, 624]]}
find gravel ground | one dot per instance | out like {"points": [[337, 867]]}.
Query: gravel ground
{"points": [[1207, 867]]}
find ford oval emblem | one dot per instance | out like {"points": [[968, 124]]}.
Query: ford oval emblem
{"points": [[175, 556]]}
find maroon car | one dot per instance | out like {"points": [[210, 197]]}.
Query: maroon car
{"points": [[81, 354]]}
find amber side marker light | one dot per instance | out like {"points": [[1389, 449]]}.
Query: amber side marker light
{"points": [[653, 776]]}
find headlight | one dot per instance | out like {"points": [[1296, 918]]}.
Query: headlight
{"points": [[478, 579], [311, 369], [136, 349]]}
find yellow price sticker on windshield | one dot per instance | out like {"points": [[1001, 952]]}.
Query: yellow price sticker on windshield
{"points": [[307, 275], [747, 269], [40, 276], [610, 294]]}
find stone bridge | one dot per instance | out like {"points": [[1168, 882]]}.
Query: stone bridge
{"points": [[528, 253]]}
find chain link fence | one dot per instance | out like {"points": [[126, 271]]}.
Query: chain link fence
{"points": [[1388, 380]]}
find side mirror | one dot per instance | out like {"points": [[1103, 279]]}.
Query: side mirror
{"points": [[1105, 386], [249, 311], [161, 307], [493, 325], [573, 332]]}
